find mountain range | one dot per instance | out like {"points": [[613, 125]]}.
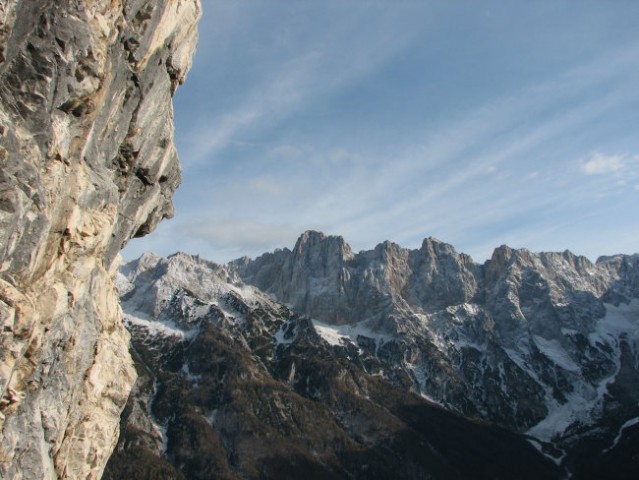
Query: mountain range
{"points": [[389, 363]]}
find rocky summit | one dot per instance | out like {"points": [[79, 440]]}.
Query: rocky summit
{"points": [[87, 161], [390, 363]]}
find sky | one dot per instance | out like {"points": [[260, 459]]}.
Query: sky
{"points": [[479, 123]]}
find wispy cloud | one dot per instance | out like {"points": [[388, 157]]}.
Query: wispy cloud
{"points": [[267, 186], [338, 57], [451, 183], [442, 188], [281, 152], [464, 152], [598, 164]]}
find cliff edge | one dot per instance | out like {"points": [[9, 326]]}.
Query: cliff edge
{"points": [[87, 162]]}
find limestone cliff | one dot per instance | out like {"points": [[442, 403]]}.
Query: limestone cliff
{"points": [[87, 162]]}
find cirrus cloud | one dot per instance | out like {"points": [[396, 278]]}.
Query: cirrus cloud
{"points": [[599, 164]]}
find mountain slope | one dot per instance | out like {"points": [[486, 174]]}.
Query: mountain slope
{"points": [[236, 385], [544, 344]]}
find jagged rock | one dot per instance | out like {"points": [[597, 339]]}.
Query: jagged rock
{"points": [[242, 387], [544, 345], [87, 162], [541, 343]]}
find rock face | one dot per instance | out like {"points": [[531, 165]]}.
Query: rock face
{"points": [[324, 279], [543, 344], [235, 385], [87, 161], [357, 375]]}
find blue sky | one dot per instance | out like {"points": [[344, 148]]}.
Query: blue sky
{"points": [[480, 123]]}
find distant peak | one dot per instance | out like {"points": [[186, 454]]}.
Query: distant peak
{"points": [[501, 256], [183, 257], [503, 250], [314, 237], [147, 261], [180, 254], [388, 247], [610, 258], [149, 257], [311, 235], [432, 242], [314, 240], [436, 246]]}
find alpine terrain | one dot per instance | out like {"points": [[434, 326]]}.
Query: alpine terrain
{"points": [[319, 362]]}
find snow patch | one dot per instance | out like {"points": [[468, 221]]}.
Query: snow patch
{"points": [[569, 332], [469, 344], [421, 374], [553, 350], [247, 292], [211, 418], [160, 428], [193, 378], [587, 399], [338, 335], [331, 334], [620, 319], [279, 336], [560, 417], [122, 284], [156, 327], [541, 448], [522, 362], [626, 425]]}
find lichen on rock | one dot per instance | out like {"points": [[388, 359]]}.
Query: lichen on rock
{"points": [[87, 162]]}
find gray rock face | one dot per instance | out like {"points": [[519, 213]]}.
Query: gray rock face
{"points": [[87, 161], [546, 344], [323, 278], [235, 385]]}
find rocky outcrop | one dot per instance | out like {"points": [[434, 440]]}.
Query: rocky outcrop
{"points": [[325, 279], [545, 344], [87, 162]]}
